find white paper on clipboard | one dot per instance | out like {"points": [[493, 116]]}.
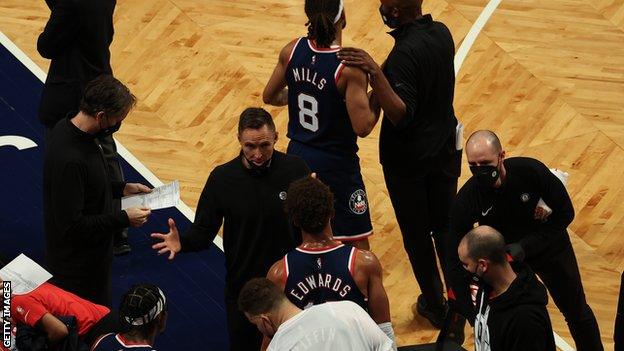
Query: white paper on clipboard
{"points": [[164, 196], [24, 274]]}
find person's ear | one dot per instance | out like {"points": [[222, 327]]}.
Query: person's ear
{"points": [[503, 154], [276, 136], [99, 116]]}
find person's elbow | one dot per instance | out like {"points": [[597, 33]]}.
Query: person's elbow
{"points": [[266, 98], [364, 128], [44, 48], [56, 335]]}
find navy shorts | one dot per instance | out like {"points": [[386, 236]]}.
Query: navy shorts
{"points": [[352, 219]]}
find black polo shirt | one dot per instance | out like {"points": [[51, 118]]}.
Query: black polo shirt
{"points": [[420, 70], [256, 229]]}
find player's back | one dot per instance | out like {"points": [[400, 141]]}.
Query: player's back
{"points": [[116, 342], [333, 326], [319, 126], [317, 276]]}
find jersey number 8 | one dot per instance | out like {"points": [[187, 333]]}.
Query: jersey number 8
{"points": [[308, 108]]}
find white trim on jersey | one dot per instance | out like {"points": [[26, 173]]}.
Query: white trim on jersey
{"points": [[286, 265], [351, 262], [319, 251], [339, 69], [97, 342], [117, 336], [292, 52], [333, 48], [353, 237]]}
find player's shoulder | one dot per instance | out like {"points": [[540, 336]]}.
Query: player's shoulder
{"points": [[287, 50], [367, 261], [525, 164]]}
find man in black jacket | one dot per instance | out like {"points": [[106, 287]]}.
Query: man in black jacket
{"points": [[511, 310], [247, 196], [504, 194], [79, 218], [76, 39], [417, 143]]}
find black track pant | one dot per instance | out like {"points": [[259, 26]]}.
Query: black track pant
{"points": [[561, 276], [422, 203]]}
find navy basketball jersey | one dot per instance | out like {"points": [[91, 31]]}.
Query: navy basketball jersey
{"points": [[315, 277], [318, 117], [115, 342]]}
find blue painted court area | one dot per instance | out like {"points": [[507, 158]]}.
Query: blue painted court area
{"points": [[193, 283]]}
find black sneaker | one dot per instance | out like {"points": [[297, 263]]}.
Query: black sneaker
{"points": [[120, 244], [434, 316]]}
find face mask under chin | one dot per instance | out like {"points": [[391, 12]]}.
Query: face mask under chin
{"points": [[108, 131], [258, 170]]}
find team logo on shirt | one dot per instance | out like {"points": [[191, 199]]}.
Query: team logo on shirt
{"points": [[525, 197], [319, 263], [313, 59], [282, 195], [20, 310], [357, 202]]}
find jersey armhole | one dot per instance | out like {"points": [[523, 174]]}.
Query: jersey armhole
{"points": [[285, 275], [97, 342], [292, 52], [352, 256], [338, 72]]}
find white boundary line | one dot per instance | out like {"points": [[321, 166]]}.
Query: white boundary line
{"points": [[123, 152], [476, 28], [461, 54], [186, 211]]}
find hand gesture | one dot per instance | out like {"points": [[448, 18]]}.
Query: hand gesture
{"points": [[135, 188], [138, 215], [170, 241]]}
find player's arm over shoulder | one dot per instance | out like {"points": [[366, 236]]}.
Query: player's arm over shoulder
{"points": [[274, 92], [363, 116]]}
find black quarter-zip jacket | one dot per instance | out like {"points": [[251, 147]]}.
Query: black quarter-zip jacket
{"points": [[510, 209]]}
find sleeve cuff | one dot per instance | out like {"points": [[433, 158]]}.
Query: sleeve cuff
{"points": [[118, 188], [122, 216]]}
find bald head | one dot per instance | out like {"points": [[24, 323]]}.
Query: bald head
{"points": [[483, 141], [485, 242]]}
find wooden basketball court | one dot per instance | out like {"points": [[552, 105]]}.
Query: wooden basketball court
{"points": [[546, 75]]}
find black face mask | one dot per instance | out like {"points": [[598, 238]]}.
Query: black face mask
{"points": [[486, 175], [108, 131], [258, 170], [387, 19]]}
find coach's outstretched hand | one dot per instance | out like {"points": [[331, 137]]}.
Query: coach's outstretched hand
{"points": [[170, 241]]}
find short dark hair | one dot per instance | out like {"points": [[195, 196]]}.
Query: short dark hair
{"points": [[310, 204], [486, 242], [140, 306], [259, 295], [321, 15], [106, 93], [255, 118]]}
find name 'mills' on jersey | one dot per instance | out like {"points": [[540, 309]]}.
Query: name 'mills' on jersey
{"points": [[317, 111], [317, 276]]}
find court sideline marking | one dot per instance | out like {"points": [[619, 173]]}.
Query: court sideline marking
{"points": [[461, 54], [123, 152]]}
